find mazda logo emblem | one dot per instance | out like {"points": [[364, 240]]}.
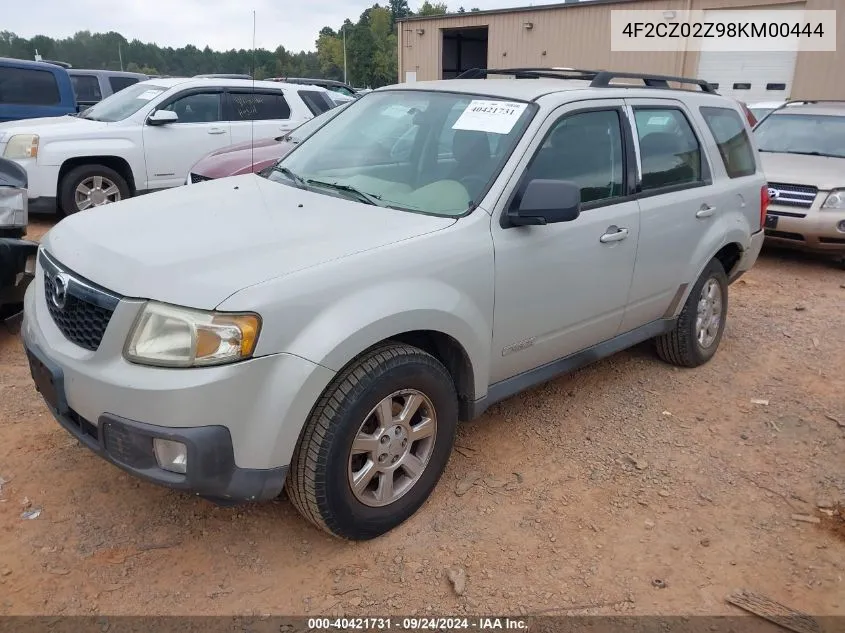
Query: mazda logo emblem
{"points": [[773, 194], [58, 290]]}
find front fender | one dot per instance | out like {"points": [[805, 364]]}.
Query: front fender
{"points": [[57, 152], [345, 328]]}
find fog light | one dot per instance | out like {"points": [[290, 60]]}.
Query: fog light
{"points": [[841, 226], [170, 455]]}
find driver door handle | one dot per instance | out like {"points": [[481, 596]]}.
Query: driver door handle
{"points": [[705, 211], [614, 234], [216, 130]]}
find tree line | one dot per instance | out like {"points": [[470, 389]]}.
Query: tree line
{"points": [[371, 51]]}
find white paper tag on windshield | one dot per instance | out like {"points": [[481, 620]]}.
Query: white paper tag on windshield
{"points": [[497, 117], [396, 111], [149, 94]]}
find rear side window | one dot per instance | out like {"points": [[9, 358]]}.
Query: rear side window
{"points": [[119, 83], [259, 106], [25, 86], [732, 139], [669, 150], [86, 87], [318, 102]]}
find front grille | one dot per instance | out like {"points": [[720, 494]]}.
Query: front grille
{"points": [[784, 235], [832, 240], [80, 309], [792, 195], [195, 178]]}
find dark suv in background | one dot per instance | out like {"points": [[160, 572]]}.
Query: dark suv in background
{"points": [[29, 90]]}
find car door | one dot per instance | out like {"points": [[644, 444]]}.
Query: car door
{"points": [[563, 287], [678, 206], [257, 114], [171, 149]]}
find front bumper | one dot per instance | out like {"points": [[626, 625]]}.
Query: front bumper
{"points": [[817, 232], [240, 422], [14, 276]]}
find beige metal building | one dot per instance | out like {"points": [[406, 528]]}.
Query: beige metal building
{"points": [[577, 34]]}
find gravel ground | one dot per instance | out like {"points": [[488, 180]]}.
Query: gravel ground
{"points": [[628, 487]]}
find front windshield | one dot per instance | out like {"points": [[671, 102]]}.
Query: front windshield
{"points": [[820, 134], [123, 104], [759, 113], [432, 152]]}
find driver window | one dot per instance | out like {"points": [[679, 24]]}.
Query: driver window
{"points": [[200, 107], [585, 148]]}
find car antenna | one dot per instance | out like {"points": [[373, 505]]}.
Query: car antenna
{"points": [[252, 122]]}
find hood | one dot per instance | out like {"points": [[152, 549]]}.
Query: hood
{"points": [[796, 169], [195, 246], [237, 159], [54, 126]]}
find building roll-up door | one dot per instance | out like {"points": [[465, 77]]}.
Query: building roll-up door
{"points": [[749, 76]]}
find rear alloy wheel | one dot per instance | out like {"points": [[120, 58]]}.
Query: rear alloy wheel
{"points": [[700, 326], [90, 186], [376, 444]]}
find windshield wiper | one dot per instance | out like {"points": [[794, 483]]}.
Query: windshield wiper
{"points": [[365, 197], [815, 154], [298, 180]]}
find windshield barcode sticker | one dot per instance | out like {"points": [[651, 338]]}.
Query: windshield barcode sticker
{"points": [[497, 117]]}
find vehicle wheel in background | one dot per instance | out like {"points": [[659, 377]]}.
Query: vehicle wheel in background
{"points": [[89, 186], [701, 323], [375, 444]]}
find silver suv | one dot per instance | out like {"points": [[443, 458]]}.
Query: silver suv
{"points": [[324, 328]]}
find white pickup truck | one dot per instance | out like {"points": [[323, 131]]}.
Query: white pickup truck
{"points": [[147, 136]]}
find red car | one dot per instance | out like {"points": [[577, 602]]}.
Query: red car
{"points": [[244, 158]]}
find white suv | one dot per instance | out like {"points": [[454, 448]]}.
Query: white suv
{"points": [[147, 136], [324, 327]]}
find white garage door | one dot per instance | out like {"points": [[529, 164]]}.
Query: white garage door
{"points": [[749, 76]]}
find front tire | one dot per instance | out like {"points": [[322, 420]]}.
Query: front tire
{"points": [[376, 443], [699, 328], [89, 186]]}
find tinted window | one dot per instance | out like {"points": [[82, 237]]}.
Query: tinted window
{"points": [[28, 87], [119, 83], [261, 106], [87, 88], [318, 102], [732, 139], [200, 107], [342, 90], [669, 151], [585, 148]]}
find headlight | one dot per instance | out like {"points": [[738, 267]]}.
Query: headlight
{"points": [[836, 200], [13, 207], [170, 336], [22, 146]]}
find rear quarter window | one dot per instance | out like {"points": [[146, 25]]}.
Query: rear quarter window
{"points": [[318, 102], [119, 83], [728, 129], [26, 86], [86, 87]]}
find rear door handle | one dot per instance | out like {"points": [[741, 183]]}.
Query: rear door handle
{"points": [[216, 130], [705, 211], [614, 234]]}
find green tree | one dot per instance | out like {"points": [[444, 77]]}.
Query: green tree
{"points": [[438, 8]]}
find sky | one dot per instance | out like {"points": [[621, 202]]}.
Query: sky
{"points": [[220, 24]]}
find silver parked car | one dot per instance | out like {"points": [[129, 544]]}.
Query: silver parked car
{"points": [[324, 328]]}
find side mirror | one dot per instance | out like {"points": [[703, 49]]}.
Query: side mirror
{"points": [[546, 202], [162, 117]]}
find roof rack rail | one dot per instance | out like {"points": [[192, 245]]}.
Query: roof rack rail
{"points": [[604, 78], [598, 78], [530, 73]]}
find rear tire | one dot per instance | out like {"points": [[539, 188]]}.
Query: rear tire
{"points": [[106, 186], [699, 328], [361, 467]]}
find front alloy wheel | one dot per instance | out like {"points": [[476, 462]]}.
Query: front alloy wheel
{"points": [[376, 443]]}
